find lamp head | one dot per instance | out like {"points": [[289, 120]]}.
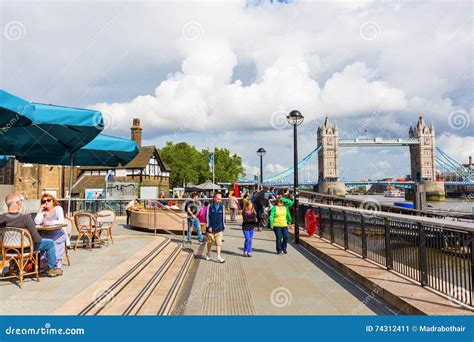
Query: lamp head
{"points": [[261, 152], [295, 118]]}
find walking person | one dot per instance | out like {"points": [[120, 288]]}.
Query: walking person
{"points": [[249, 221], [280, 218], [215, 226], [245, 200], [233, 206], [192, 208], [202, 216]]}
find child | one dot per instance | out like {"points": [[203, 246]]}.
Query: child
{"points": [[202, 216], [249, 222]]}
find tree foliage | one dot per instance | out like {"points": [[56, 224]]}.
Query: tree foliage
{"points": [[188, 165]]}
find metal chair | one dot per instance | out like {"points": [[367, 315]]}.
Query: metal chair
{"points": [[86, 226], [17, 246], [105, 220], [68, 231]]}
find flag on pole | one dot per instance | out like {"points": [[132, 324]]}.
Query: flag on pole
{"points": [[211, 161]]}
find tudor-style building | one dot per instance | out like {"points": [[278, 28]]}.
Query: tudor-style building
{"points": [[146, 169]]}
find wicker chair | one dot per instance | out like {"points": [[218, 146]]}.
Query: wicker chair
{"points": [[105, 220], [86, 226], [17, 246]]}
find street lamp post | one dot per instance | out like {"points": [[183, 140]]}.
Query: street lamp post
{"points": [[261, 152], [295, 118]]}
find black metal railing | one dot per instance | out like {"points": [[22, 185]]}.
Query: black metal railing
{"points": [[367, 203], [433, 252], [119, 206]]}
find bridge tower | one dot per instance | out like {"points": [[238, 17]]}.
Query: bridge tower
{"points": [[328, 160], [422, 159]]}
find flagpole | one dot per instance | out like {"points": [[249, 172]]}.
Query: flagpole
{"points": [[213, 174]]}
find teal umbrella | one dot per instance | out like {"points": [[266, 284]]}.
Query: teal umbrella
{"points": [[14, 111], [53, 130], [104, 150]]}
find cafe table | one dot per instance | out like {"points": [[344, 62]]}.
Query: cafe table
{"points": [[51, 231]]}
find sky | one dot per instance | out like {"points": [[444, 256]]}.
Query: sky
{"points": [[226, 73]]}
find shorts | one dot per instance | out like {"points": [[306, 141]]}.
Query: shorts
{"points": [[203, 227], [215, 239]]}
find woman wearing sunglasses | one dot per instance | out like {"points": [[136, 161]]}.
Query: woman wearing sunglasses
{"points": [[51, 213]]}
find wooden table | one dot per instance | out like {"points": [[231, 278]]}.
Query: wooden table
{"points": [[50, 227]]}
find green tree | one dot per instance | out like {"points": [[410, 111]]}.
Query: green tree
{"points": [[184, 161], [188, 165]]}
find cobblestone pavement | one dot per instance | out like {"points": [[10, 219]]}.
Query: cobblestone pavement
{"points": [[270, 284]]}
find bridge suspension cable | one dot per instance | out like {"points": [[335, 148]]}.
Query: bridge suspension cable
{"points": [[453, 166], [289, 171], [445, 163]]}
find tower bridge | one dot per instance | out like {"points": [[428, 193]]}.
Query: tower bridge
{"points": [[427, 162]]}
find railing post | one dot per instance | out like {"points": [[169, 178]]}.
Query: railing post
{"points": [[471, 249], [331, 226], [388, 245], [364, 236], [346, 232], [422, 255], [321, 230]]}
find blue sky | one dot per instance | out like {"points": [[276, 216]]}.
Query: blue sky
{"points": [[226, 73]]}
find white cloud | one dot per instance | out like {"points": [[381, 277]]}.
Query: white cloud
{"points": [[352, 92], [251, 169], [135, 60], [457, 147], [275, 168]]}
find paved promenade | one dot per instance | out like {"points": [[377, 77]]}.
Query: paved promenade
{"points": [[268, 284], [45, 297]]}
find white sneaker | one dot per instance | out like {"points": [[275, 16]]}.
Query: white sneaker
{"points": [[221, 260], [208, 257]]}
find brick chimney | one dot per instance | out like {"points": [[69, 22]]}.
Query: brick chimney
{"points": [[136, 132]]}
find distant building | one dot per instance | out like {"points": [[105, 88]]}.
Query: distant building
{"points": [[422, 155], [469, 165], [147, 169]]}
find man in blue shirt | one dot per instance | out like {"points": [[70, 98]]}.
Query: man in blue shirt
{"points": [[215, 226]]}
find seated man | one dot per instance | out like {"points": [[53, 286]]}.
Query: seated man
{"points": [[14, 218]]}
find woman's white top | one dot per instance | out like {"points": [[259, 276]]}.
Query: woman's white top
{"points": [[57, 216]]}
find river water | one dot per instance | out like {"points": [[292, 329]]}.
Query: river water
{"points": [[454, 204]]}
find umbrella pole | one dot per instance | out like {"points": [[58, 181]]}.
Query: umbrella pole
{"points": [[71, 168]]}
